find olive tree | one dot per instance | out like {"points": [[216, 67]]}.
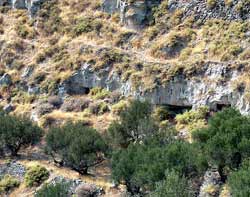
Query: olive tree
{"points": [[133, 125], [17, 132], [77, 146]]}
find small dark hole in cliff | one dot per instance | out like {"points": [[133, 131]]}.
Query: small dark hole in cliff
{"points": [[220, 107], [175, 109], [78, 90]]}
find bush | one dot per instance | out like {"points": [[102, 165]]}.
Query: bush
{"points": [[98, 107], [78, 146], [99, 93], [53, 190], [17, 132], [7, 183], [134, 124], [173, 186], [239, 181], [36, 175], [211, 3], [192, 120], [229, 131]]}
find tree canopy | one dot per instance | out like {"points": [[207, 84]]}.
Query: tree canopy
{"points": [[78, 146]]}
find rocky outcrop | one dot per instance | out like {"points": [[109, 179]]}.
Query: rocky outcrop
{"points": [[78, 187], [132, 14], [136, 14], [202, 10], [31, 5], [214, 87], [5, 80], [14, 169], [211, 184]]}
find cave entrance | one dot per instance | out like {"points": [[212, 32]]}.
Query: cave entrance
{"points": [[176, 109], [220, 107], [78, 90]]}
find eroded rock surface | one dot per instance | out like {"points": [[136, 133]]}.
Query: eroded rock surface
{"points": [[214, 86], [31, 5]]}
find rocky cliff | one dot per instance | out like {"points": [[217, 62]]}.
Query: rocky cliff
{"points": [[175, 53]]}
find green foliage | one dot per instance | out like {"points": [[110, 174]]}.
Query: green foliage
{"points": [[226, 141], [98, 107], [172, 186], [134, 124], [211, 3], [50, 20], [85, 25], [99, 93], [193, 119], [36, 175], [119, 107], [239, 181], [7, 183], [17, 132], [160, 114], [142, 165], [53, 190], [78, 146]]}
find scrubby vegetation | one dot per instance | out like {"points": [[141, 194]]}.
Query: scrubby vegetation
{"points": [[8, 183], [53, 190], [76, 44], [36, 175]]}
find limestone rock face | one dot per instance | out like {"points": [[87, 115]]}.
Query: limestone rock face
{"points": [[201, 10], [214, 87], [5, 79], [134, 15], [31, 5], [19, 4]]}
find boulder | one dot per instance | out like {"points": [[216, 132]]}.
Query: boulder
{"points": [[43, 108], [56, 101], [110, 6], [211, 184], [8, 108], [19, 4], [88, 190], [5, 80], [75, 104]]}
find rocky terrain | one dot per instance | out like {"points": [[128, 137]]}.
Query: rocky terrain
{"points": [[85, 60]]}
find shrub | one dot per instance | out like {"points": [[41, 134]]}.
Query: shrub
{"points": [[7, 183], [229, 131], [78, 146], [99, 93], [119, 107], [160, 114], [17, 132], [53, 190], [134, 124], [85, 25], [193, 119], [239, 181], [98, 108], [172, 186], [36, 175], [211, 3]]}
